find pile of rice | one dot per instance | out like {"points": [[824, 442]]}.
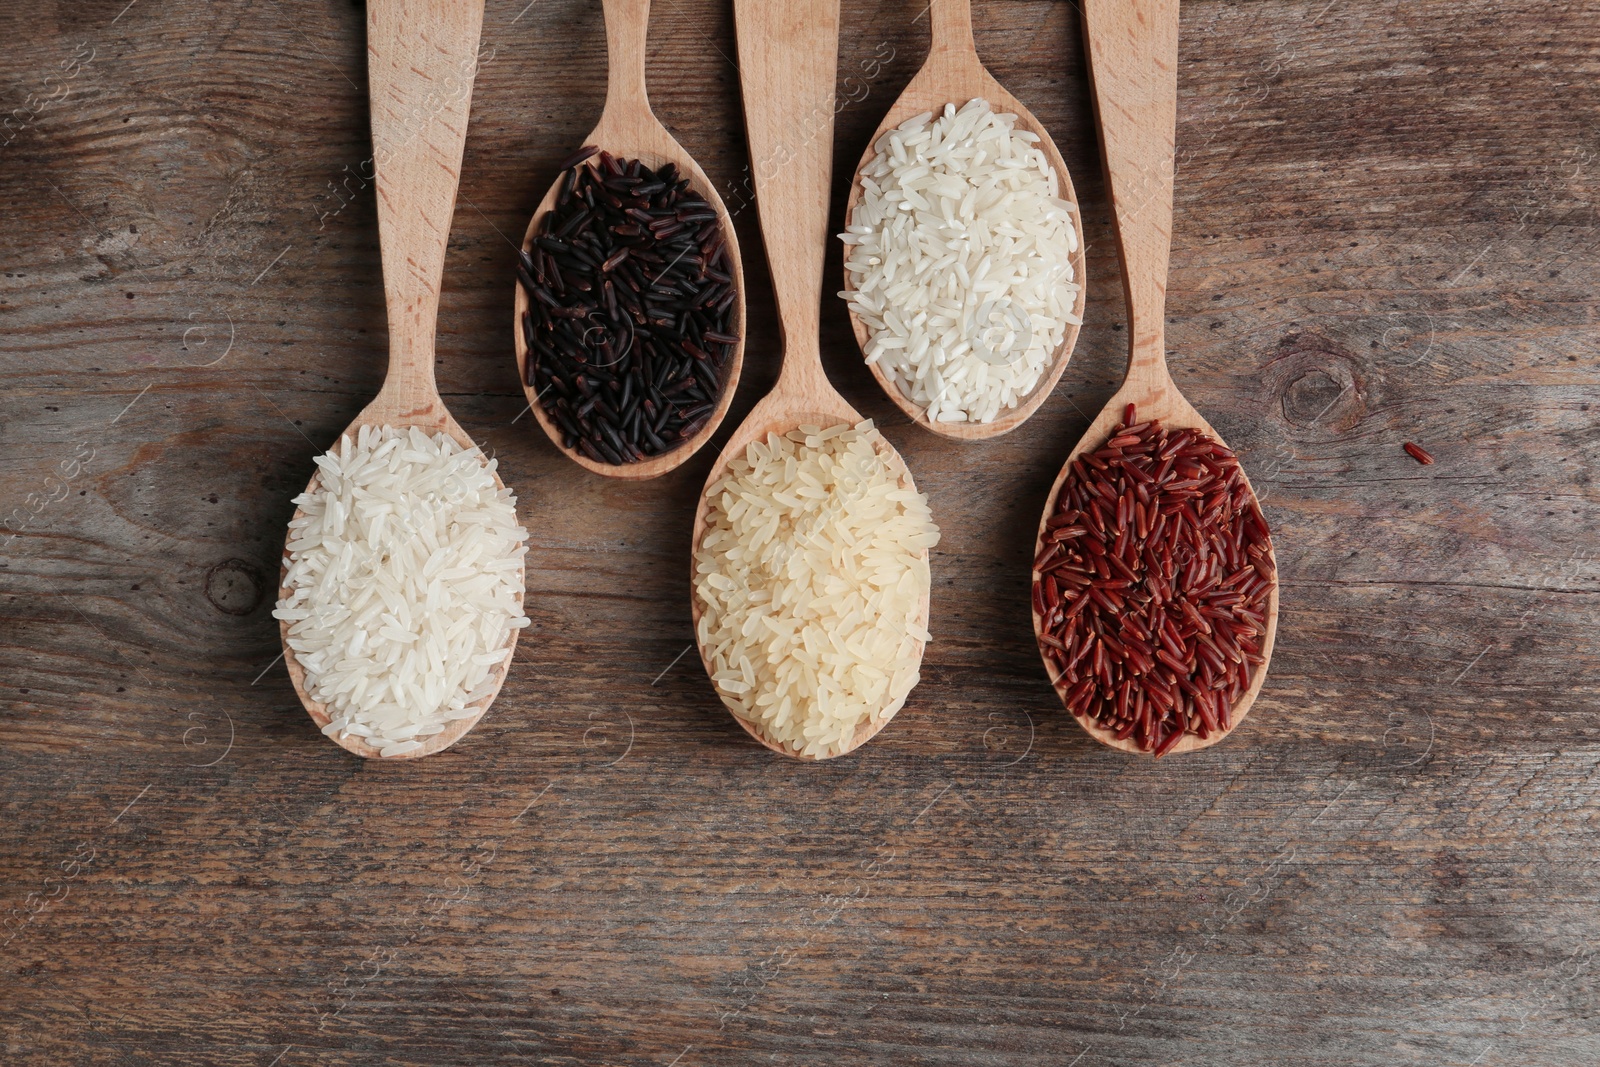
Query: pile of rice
{"points": [[810, 579], [404, 574], [960, 262]]}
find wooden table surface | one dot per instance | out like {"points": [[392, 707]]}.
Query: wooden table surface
{"points": [[1385, 231]]}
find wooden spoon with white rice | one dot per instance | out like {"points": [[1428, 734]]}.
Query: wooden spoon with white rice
{"points": [[436, 487]]}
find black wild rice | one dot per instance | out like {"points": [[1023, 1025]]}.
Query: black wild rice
{"points": [[1152, 583], [630, 322]]}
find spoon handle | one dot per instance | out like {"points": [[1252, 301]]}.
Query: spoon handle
{"points": [[1133, 68], [627, 25], [951, 23], [788, 57], [421, 59]]}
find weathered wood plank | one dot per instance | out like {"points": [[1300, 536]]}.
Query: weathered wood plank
{"points": [[1385, 231]]}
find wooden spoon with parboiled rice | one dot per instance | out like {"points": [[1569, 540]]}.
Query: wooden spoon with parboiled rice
{"points": [[964, 266], [811, 541], [401, 594]]}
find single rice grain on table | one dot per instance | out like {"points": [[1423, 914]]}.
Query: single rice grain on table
{"points": [[960, 262], [811, 578], [403, 585]]}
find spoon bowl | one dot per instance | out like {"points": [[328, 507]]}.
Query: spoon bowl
{"points": [[788, 55], [413, 47], [1133, 60], [779, 412], [431, 419], [953, 74], [1155, 397], [629, 129]]}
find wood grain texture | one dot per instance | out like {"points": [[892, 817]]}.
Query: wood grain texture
{"points": [[1384, 230]]}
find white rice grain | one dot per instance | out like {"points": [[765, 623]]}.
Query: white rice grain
{"points": [[960, 262], [402, 585]]}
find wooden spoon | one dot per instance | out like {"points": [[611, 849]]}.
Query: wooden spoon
{"points": [[629, 129], [421, 59], [953, 74], [788, 56], [1133, 66]]}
